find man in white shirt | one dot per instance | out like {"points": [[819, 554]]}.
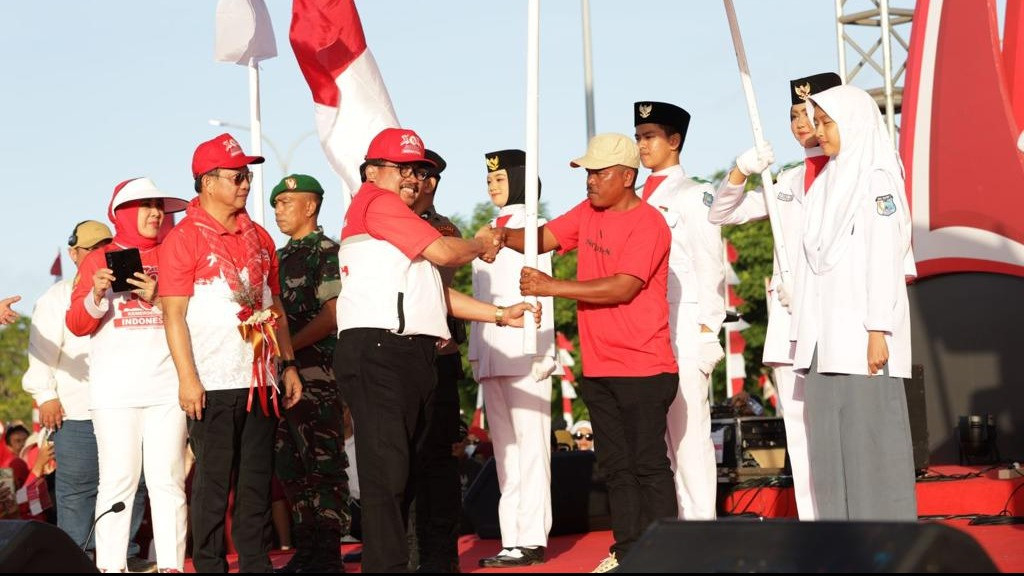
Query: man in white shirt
{"points": [[696, 296]]}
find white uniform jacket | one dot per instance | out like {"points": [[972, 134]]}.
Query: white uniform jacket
{"points": [[58, 361], [731, 206], [865, 290], [696, 262], [498, 351]]}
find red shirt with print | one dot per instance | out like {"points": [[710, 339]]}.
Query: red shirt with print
{"points": [[631, 339]]}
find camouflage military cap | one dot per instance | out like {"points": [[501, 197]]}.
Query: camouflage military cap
{"points": [[296, 183]]}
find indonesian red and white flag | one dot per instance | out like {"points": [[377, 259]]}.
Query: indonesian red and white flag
{"points": [[351, 105], [244, 32]]}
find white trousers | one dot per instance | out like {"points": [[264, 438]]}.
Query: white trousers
{"points": [[130, 440], [790, 387], [690, 449], [519, 414]]}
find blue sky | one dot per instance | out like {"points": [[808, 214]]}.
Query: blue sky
{"points": [[98, 92]]}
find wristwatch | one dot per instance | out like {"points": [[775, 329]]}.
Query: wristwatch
{"points": [[499, 316], [286, 364]]}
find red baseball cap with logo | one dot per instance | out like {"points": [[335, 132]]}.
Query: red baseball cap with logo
{"points": [[398, 145], [221, 152]]}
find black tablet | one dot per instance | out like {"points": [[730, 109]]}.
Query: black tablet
{"points": [[124, 263]]}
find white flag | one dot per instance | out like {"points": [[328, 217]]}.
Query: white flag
{"points": [[244, 32]]}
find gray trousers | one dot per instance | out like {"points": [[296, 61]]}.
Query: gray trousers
{"points": [[859, 446]]}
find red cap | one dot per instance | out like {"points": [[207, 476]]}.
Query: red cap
{"points": [[221, 152], [398, 145]]}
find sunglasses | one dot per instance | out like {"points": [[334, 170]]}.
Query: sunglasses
{"points": [[581, 436], [237, 177]]}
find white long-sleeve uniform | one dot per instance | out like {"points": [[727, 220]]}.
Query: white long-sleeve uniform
{"points": [[58, 361], [732, 206], [696, 295], [835, 311], [517, 394]]}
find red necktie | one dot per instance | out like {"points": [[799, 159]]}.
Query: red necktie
{"points": [[650, 184], [812, 167], [502, 220]]}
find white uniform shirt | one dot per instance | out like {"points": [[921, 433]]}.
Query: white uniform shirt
{"points": [[497, 351], [731, 206], [58, 361], [864, 291], [696, 261]]}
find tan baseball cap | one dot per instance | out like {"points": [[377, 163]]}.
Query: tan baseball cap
{"points": [[88, 234], [609, 149]]}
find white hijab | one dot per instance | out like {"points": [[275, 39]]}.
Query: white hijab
{"points": [[839, 193]]}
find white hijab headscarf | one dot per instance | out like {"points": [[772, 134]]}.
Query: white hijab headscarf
{"points": [[839, 193]]}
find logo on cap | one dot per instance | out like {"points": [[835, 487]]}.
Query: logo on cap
{"points": [[803, 92], [645, 110], [232, 147], [290, 183], [493, 163], [411, 144]]}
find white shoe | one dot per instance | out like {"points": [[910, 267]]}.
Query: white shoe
{"points": [[609, 564]]}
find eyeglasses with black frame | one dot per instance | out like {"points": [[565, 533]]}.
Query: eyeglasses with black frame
{"points": [[406, 170], [581, 436], [237, 178]]}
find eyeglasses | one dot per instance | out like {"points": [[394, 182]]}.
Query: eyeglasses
{"points": [[237, 177], [581, 436], [406, 170]]}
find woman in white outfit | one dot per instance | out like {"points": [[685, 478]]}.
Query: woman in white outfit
{"points": [[517, 387], [851, 319], [133, 383]]}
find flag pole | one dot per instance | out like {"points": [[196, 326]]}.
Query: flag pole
{"points": [[770, 200], [256, 135], [532, 149], [588, 69]]}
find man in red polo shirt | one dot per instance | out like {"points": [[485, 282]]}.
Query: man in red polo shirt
{"points": [[219, 270], [629, 371]]}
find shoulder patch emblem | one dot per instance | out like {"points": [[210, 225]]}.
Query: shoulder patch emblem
{"points": [[708, 198], [784, 197], [885, 205]]}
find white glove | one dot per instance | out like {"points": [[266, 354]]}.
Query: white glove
{"points": [[754, 161], [709, 355], [785, 295]]}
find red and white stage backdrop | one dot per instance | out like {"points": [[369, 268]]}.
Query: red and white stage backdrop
{"points": [[963, 109]]}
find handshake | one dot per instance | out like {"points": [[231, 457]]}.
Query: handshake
{"points": [[493, 240]]}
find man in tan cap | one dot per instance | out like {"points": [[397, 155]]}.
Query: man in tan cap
{"points": [[630, 375]]}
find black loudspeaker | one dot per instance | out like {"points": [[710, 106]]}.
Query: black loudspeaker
{"points": [[579, 499], [918, 413], [29, 546], [790, 546]]}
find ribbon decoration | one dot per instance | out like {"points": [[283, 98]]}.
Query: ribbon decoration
{"points": [[259, 330]]}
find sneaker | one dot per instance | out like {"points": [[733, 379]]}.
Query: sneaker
{"points": [[140, 565], [609, 564]]}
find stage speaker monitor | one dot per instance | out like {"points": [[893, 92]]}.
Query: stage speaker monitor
{"points": [[918, 413], [35, 547], [579, 498], [790, 546]]}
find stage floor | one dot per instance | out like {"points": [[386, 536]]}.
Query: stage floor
{"points": [[947, 491]]}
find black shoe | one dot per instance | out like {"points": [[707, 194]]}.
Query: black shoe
{"points": [[525, 557]]}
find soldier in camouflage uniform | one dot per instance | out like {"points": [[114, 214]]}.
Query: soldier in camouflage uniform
{"points": [[438, 504], [309, 458]]}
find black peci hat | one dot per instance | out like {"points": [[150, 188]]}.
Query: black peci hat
{"points": [[662, 113], [504, 159], [439, 163], [802, 88]]}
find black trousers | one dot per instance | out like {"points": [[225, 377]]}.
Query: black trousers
{"points": [[438, 487], [388, 382], [628, 415], [231, 443]]}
